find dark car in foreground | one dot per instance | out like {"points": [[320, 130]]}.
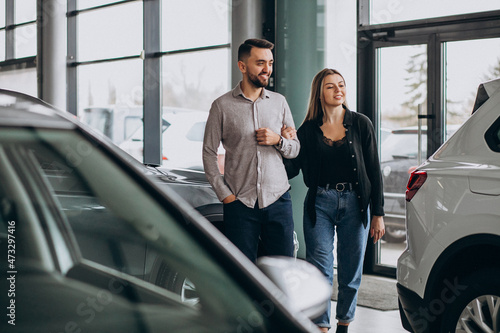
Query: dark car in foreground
{"points": [[193, 187], [89, 242]]}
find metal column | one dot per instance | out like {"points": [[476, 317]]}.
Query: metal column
{"points": [[152, 83], [52, 52], [246, 23]]}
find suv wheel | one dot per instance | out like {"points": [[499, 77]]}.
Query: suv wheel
{"points": [[477, 308]]}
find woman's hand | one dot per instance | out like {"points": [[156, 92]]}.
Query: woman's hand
{"points": [[288, 132], [377, 228]]}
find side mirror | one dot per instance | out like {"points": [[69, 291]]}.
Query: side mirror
{"points": [[304, 285]]}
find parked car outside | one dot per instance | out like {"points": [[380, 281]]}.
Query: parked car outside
{"points": [[384, 134], [399, 157], [114, 121], [182, 140], [90, 242], [448, 276]]}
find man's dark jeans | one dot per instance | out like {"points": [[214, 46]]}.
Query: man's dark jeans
{"points": [[273, 224]]}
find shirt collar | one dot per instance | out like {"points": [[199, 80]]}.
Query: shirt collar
{"points": [[238, 92]]}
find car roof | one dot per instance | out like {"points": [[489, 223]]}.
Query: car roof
{"points": [[21, 110]]}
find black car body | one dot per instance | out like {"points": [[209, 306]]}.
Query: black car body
{"points": [[193, 187], [89, 242]]}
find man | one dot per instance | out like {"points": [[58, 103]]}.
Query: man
{"points": [[254, 189]]}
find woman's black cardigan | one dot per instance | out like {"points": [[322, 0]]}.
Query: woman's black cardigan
{"points": [[363, 150]]}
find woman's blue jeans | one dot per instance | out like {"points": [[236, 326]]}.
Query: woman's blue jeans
{"points": [[337, 212]]}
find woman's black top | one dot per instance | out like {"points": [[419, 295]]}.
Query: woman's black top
{"points": [[363, 156], [335, 162]]}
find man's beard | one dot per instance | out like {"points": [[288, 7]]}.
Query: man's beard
{"points": [[256, 82]]}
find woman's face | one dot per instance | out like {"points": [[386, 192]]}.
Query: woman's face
{"points": [[334, 90]]}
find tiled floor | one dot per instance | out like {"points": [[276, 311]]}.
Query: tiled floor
{"points": [[372, 321]]}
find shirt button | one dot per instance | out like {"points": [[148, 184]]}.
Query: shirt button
{"points": [[352, 156], [354, 169], [350, 142], [359, 197]]}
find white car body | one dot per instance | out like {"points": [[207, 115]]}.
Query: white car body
{"points": [[455, 212]]}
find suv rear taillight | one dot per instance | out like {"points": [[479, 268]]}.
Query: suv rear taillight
{"points": [[417, 179]]}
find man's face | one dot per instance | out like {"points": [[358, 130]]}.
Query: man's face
{"points": [[258, 67]]}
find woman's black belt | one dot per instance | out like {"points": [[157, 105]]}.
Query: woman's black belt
{"points": [[339, 187]]}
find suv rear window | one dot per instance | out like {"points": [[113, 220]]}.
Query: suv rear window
{"points": [[492, 136]]}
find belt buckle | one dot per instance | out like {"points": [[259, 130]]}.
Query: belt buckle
{"points": [[340, 187]]}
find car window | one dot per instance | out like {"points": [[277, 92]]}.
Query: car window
{"points": [[118, 224], [196, 132], [138, 135], [102, 236], [100, 119], [20, 216], [165, 125], [131, 124], [492, 136]]}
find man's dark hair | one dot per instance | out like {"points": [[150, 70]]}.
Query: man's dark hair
{"points": [[246, 47]]}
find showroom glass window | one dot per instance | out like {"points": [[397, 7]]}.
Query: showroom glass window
{"points": [[195, 71], [109, 67], [463, 61], [18, 33], [194, 38]]}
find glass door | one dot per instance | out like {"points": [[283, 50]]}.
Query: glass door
{"points": [[417, 83], [402, 87], [467, 64], [402, 96]]}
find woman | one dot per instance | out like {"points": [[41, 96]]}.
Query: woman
{"points": [[340, 165]]}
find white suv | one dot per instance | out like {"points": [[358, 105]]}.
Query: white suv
{"points": [[449, 274]]}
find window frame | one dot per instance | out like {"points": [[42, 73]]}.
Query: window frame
{"points": [[152, 56], [11, 62]]}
